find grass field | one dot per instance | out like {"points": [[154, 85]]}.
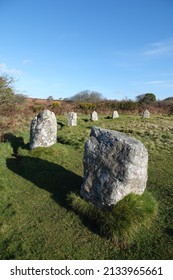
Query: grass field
{"points": [[36, 219]]}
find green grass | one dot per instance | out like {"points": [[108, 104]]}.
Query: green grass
{"points": [[37, 220], [122, 222]]}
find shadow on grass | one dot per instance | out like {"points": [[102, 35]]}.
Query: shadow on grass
{"points": [[71, 142], [16, 142], [60, 124], [169, 231], [46, 175], [86, 120], [55, 179]]}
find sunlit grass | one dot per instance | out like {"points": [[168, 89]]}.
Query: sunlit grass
{"points": [[122, 221], [37, 220]]}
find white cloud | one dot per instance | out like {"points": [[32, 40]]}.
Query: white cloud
{"points": [[12, 71], [160, 48], [155, 82], [159, 82], [27, 61]]}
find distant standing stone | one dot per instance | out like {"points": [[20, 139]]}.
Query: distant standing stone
{"points": [[115, 115], [115, 165], [72, 119], [146, 114], [94, 116], [43, 131]]}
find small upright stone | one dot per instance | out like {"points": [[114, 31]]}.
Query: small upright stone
{"points": [[115, 165], [72, 119], [115, 115], [43, 131], [94, 116], [146, 114]]}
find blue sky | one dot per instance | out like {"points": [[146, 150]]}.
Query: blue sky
{"points": [[120, 48]]}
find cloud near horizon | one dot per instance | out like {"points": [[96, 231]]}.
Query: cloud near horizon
{"points": [[155, 82], [158, 82], [164, 47], [4, 69]]}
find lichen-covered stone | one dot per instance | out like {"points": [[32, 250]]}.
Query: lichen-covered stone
{"points": [[114, 166], [115, 115], [94, 116], [43, 131], [72, 119], [146, 114]]}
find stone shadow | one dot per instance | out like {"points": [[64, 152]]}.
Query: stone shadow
{"points": [[46, 175], [169, 231], [60, 124], [86, 120], [16, 142]]}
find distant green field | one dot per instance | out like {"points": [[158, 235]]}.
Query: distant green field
{"points": [[36, 218]]}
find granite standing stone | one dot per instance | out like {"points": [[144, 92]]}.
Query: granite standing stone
{"points": [[146, 114], [115, 165], [115, 115], [43, 131], [72, 119], [94, 116]]}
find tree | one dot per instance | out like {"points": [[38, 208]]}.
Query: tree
{"points": [[8, 98], [168, 100], [50, 98], [87, 96], [146, 98], [20, 98]]}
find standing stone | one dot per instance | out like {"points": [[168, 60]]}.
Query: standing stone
{"points": [[115, 115], [146, 114], [72, 119], [43, 132], [94, 116], [115, 165]]}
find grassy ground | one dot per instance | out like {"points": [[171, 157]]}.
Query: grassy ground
{"points": [[36, 220]]}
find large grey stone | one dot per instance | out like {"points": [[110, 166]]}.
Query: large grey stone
{"points": [[72, 119], [115, 165], [146, 114], [43, 132], [94, 116]]}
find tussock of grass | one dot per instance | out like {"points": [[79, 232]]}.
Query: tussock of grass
{"points": [[121, 222]]}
